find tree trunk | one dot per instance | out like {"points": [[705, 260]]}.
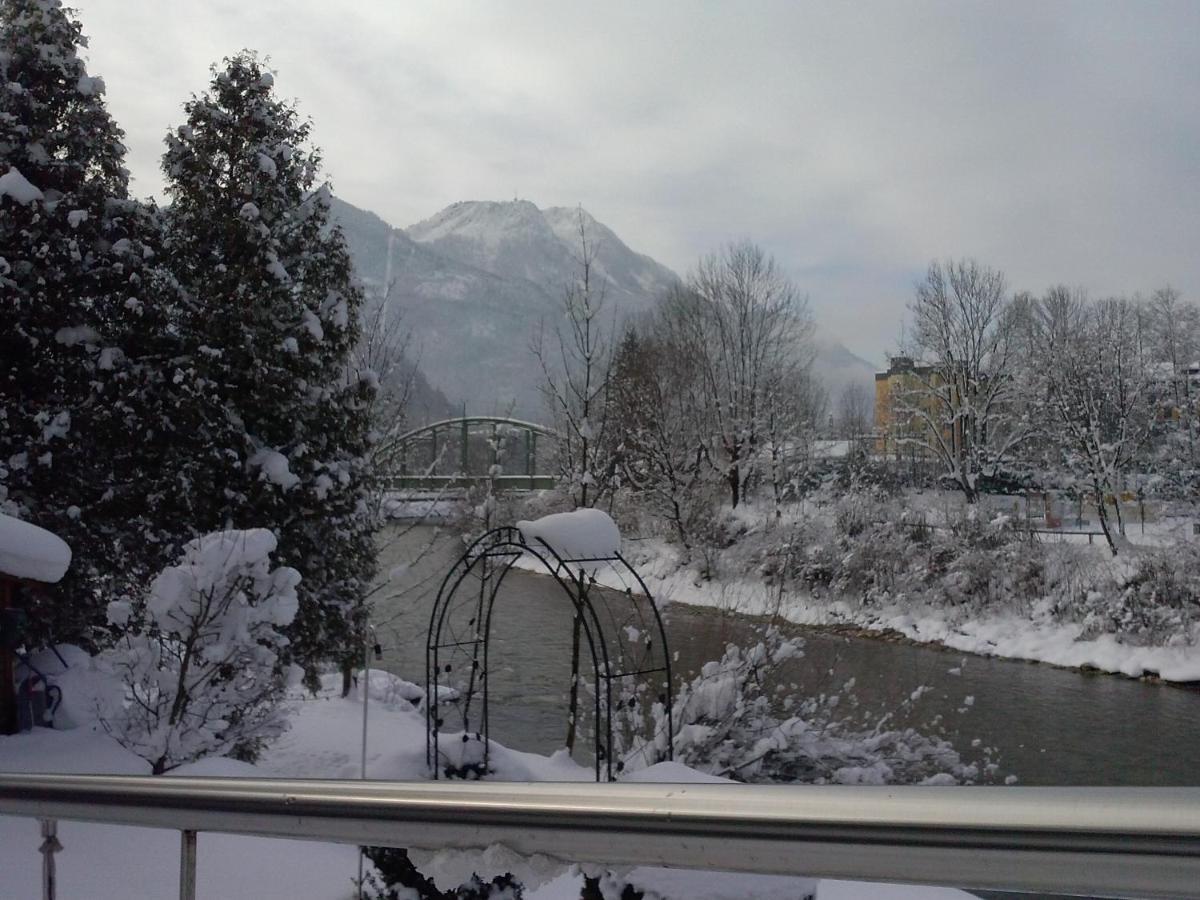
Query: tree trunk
{"points": [[1102, 515], [735, 483]]}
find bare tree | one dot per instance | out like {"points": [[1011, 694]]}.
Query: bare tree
{"points": [[794, 406], [1094, 395], [383, 350], [747, 329], [576, 380], [1175, 332], [576, 386], [959, 398], [855, 414], [663, 456]]}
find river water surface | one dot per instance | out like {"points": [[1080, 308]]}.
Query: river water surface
{"points": [[1047, 726]]}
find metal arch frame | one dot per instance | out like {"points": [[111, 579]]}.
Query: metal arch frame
{"points": [[509, 544]]}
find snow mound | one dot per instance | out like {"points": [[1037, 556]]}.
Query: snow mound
{"points": [[582, 534], [27, 551], [209, 562], [14, 184], [90, 86], [275, 468], [76, 334]]}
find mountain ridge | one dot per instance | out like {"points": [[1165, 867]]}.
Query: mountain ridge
{"points": [[475, 280], [517, 239]]}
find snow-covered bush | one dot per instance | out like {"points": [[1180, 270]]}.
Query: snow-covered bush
{"points": [[1155, 598], [861, 547], [731, 721], [200, 663], [396, 878]]}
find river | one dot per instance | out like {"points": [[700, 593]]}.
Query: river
{"points": [[1046, 725]]}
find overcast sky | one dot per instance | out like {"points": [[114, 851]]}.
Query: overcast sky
{"points": [[1059, 142]]}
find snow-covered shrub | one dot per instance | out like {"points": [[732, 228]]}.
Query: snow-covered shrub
{"points": [[712, 529], [729, 721], [201, 665], [854, 513], [872, 564], [1154, 599], [870, 551], [396, 878]]}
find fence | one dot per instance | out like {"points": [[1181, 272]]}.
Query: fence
{"points": [[1113, 842], [1029, 530]]}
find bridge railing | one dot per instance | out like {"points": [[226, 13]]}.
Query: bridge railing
{"points": [[448, 483], [444, 449], [1108, 842]]}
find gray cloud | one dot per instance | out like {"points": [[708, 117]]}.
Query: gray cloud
{"points": [[1056, 141]]}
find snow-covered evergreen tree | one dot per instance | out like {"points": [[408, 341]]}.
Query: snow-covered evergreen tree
{"points": [[82, 316], [281, 430]]}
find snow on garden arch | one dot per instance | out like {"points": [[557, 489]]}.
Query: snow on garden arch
{"points": [[623, 647]]}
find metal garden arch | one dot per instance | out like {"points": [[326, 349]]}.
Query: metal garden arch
{"points": [[623, 634]]}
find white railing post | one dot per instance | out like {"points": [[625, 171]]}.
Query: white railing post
{"points": [[49, 847], [187, 865]]}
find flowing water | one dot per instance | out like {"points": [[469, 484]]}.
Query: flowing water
{"points": [[1047, 725]]}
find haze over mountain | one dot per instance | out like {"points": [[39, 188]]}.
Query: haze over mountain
{"points": [[839, 367], [476, 280]]}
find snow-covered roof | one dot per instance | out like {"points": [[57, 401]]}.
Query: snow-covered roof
{"points": [[27, 551], [582, 534], [830, 449]]}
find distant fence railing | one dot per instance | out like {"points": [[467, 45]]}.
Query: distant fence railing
{"points": [[1105, 842], [1031, 530]]}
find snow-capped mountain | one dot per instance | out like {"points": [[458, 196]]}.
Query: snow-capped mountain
{"points": [[517, 240], [475, 280]]}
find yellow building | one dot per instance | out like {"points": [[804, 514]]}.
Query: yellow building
{"points": [[892, 423]]}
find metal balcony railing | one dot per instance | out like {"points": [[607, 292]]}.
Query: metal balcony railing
{"points": [[1110, 842]]}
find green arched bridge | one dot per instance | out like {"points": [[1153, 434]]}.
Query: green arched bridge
{"points": [[468, 450]]}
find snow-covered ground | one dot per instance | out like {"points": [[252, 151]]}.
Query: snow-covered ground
{"points": [[102, 862]]}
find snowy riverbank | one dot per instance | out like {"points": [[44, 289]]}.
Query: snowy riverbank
{"points": [[1035, 636]]}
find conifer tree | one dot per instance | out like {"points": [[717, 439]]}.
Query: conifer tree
{"points": [[81, 321], [270, 317]]}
